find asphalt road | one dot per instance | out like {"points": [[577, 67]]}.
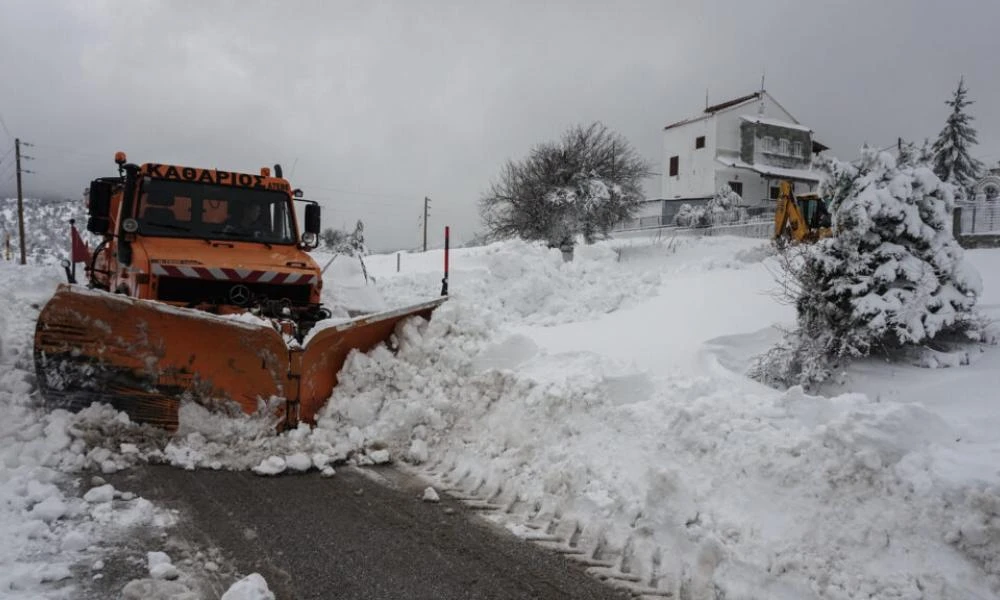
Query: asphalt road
{"points": [[356, 535]]}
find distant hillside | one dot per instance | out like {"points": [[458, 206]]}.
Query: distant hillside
{"points": [[46, 228]]}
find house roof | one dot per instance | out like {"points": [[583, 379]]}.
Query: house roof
{"points": [[770, 171], [724, 105], [711, 110]]}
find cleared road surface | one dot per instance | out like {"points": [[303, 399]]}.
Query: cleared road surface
{"points": [[355, 535]]}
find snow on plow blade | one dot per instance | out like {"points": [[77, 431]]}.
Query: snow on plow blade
{"points": [[326, 352], [142, 357]]}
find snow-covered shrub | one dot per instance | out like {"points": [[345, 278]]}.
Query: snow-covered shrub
{"points": [[342, 242], [690, 216], [724, 208], [892, 275], [582, 185], [46, 228]]}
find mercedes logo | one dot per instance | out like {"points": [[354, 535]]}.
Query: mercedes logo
{"points": [[239, 294]]}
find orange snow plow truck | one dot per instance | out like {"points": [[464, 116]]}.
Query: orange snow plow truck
{"points": [[201, 289]]}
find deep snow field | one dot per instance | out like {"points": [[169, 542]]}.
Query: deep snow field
{"points": [[604, 398]]}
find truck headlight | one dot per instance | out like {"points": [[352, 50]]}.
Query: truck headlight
{"points": [[309, 238]]}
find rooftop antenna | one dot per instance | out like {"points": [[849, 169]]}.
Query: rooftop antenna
{"points": [[706, 98], [760, 109]]}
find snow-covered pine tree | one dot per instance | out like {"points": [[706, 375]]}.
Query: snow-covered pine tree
{"points": [[892, 275], [952, 161]]}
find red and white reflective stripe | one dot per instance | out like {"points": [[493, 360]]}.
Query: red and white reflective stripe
{"points": [[241, 275]]}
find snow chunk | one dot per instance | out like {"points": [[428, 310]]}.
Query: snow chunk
{"points": [[379, 457], [103, 493], [418, 452], [74, 541], [50, 509], [251, 587], [273, 465], [160, 566], [299, 461], [430, 495]]}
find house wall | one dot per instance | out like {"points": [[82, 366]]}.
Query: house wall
{"points": [[649, 208], [696, 166], [727, 125], [754, 186]]}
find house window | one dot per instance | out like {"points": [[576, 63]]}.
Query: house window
{"points": [[699, 142], [674, 165], [783, 146], [774, 192], [737, 186], [797, 149], [768, 144]]}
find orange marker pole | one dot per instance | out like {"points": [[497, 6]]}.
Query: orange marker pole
{"points": [[444, 282]]}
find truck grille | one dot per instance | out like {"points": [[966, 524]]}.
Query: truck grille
{"points": [[197, 291]]}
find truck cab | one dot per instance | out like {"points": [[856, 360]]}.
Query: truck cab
{"points": [[212, 240]]}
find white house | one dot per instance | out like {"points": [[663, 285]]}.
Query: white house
{"points": [[749, 143]]}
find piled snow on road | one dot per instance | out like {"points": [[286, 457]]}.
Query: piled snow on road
{"points": [[52, 521], [58, 517], [522, 282]]}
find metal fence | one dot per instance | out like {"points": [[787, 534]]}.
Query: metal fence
{"points": [[755, 228], [757, 222], [979, 218]]}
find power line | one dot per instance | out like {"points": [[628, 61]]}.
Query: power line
{"points": [[359, 193], [10, 138], [4, 167], [59, 149]]}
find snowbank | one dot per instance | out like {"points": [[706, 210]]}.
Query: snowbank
{"points": [[58, 518], [689, 475]]}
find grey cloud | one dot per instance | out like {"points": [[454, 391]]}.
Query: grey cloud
{"points": [[379, 104]]}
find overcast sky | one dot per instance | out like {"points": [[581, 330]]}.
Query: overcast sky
{"points": [[371, 106]]}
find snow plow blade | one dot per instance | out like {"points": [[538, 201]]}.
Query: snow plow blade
{"points": [[326, 351], [144, 357]]}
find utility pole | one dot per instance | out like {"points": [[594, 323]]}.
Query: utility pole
{"points": [[20, 198], [427, 203]]}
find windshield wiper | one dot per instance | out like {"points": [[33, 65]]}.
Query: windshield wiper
{"points": [[168, 226]]}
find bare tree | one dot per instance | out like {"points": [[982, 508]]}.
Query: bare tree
{"points": [[585, 183]]}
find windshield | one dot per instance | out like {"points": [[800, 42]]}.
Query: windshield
{"points": [[207, 211]]}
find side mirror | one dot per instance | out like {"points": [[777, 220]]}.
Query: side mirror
{"points": [[312, 219], [99, 207]]}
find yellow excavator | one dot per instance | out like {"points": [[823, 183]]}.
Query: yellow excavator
{"points": [[804, 218]]}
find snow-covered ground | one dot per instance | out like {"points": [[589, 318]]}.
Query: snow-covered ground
{"points": [[606, 396], [59, 519]]}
